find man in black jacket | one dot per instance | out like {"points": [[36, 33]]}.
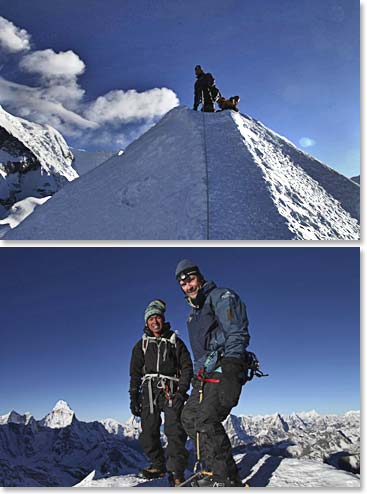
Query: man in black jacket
{"points": [[205, 91], [160, 375], [218, 331]]}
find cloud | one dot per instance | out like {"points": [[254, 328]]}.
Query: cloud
{"points": [[12, 38], [35, 104], [126, 106], [112, 120], [307, 142], [51, 65]]}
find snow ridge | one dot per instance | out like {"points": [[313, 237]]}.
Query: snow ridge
{"points": [[43, 141], [202, 176]]}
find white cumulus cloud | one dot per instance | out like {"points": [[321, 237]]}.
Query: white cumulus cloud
{"points": [[36, 105], [307, 142], [12, 38], [126, 106], [50, 65], [112, 120]]}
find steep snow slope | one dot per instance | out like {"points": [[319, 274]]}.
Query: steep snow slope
{"points": [[203, 176]]}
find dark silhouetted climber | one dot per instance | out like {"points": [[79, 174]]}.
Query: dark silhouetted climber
{"points": [[206, 92]]}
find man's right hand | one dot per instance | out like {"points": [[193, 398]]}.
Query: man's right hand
{"points": [[135, 406]]}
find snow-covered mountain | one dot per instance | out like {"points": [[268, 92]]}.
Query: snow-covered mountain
{"points": [[60, 416], [202, 176], [35, 162], [60, 450], [333, 439], [356, 179]]}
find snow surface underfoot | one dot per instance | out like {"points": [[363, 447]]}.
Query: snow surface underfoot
{"points": [[202, 176], [255, 471]]}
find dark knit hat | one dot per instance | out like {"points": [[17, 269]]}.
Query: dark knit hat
{"points": [[156, 307], [186, 267]]}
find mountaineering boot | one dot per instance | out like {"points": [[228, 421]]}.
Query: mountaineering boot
{"points": [[216, 481], [175, 479], [153, 472]]}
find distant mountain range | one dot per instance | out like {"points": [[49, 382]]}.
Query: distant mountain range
{"points": [[60, 450]]}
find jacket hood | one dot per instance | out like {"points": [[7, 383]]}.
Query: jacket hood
{"points": [[165, 333], [204, 291]]}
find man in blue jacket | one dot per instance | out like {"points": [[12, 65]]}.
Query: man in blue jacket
{"points": [[218, 331]]}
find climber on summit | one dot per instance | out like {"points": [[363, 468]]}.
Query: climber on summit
{"points": [[218, 331], [160, 375], [205, 91]]}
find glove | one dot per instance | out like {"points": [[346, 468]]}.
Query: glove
{"points": [[179, 400], [233, 377], [195, 107], [135, 404]]}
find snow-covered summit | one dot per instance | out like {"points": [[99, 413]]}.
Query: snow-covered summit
{"points": [[60, 416], [44, 142], [202, 176]]}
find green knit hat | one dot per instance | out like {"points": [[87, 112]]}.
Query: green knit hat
{"points": [[156, 307]]}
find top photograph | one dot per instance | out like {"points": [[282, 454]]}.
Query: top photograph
{"points": [[179, 120]]}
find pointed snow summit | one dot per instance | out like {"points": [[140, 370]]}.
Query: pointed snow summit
{"points": [[202, 176], [60, 416]]}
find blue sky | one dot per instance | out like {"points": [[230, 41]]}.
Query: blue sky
{"points": [[70, 317], [295, 65]]}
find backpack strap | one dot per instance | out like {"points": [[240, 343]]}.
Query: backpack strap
{"points": [[144, 343]]}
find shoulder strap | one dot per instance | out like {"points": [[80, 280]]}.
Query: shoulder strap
{"points": [[173, 339], [144, 343]]}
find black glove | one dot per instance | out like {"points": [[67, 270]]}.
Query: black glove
{"points": [[135, 404], [179, 400], [195, 107], [232, 379]]}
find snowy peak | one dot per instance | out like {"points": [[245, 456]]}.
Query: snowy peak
{"points": [[220, 176], [44, 143], [60, 416]]}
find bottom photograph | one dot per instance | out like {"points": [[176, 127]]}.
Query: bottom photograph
{"points": [[180, 367]]}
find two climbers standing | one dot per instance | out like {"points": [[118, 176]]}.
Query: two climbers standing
{"points": [[161, 371]]}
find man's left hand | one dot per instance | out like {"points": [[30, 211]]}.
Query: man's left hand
{"points": [[232, 379]]}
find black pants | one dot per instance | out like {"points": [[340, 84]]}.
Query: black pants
{"points": [[207, 100], [150, 440], [206, 418]]}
